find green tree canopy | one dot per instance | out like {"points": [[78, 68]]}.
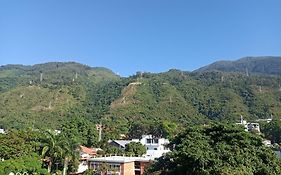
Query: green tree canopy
{"points": [[272, 131], [217, 149], [135, 148], [80, 130], [32, 164]]}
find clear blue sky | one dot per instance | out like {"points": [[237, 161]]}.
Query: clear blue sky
{"points": [[138, 35]]}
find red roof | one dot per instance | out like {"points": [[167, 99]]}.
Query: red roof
{"points": [[87, 150]]}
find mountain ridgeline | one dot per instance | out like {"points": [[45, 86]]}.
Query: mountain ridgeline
{"points": [[46, 95], [248, 65]]}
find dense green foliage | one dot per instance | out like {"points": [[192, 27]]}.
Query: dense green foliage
{"points": [[31, 164], [74, 98], [123, 104], [135, 148], [272, 131], [217, 150], [55, 152]]}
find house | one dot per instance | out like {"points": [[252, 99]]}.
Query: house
{"points": [[2, 131], [85, 154], [250, 127], [155, 147], [119, 143], [253, 127], [119, 165]]}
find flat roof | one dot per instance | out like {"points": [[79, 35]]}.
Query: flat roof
{"points": [[119, 159]]}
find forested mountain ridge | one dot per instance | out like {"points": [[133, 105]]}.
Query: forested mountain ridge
{"points": [[247, 65], [145, 99]]}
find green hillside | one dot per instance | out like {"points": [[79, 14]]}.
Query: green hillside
{"points": [[97, 94], [64, 90], [248, 65]]}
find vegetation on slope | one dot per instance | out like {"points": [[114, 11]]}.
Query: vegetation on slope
{"points": [[248, 65], [217, 149], [96, 94]]}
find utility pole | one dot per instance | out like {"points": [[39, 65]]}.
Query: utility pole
{"points": [[222, 78], [99, 127], [170, 100], [41, 76], [247, 72]]}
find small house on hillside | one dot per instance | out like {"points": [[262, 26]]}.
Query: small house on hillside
{"points": [[155, 147], [2, 131], [250, 127]]}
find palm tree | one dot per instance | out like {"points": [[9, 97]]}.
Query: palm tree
{"points": [[58, 147], [52, 148], [70, 153]]}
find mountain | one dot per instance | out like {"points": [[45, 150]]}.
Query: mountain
{"points": [[47, 95], [252, 65]]}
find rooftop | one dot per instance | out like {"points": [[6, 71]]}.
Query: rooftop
{"points": [[119, 159]]}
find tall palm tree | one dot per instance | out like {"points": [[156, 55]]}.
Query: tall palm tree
{"points": [[52, 148], [70, 153]]}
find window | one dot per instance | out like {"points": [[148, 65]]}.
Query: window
{"points": [[155, 148], [148, 140], [114, 167], [137, 165], [156, 141]]}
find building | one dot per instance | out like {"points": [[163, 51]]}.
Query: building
{"points": [[155, 147], [250, 127], [119, 143], [85, 154], [253, 127], [119, 165], [2, 131]]}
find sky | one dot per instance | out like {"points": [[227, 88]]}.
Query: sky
{"points": [[127, 36]]}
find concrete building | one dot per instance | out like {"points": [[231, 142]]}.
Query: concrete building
{"points": [[119, 165], [155, 147], [250, 127]]}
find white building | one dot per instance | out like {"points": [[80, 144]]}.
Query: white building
{"points": [[250, 127], [155, 147], [2, 131]]}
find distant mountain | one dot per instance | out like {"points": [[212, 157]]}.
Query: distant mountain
{"points": [[44, 95], [252, 65], [73, 89]]}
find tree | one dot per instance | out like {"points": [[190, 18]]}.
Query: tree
{"points": [[52, 149], [217, 149], [80, 130], [17, 143], [32, 164], [70, 154], [57, 148], [135, 148], [272, 131]]}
